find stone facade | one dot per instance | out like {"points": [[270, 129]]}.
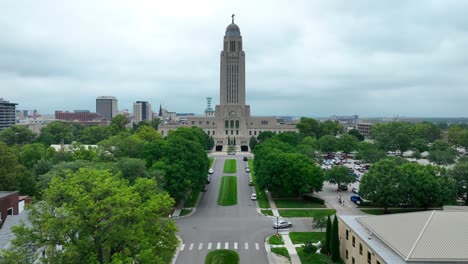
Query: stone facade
{"points": [[232, 123]]}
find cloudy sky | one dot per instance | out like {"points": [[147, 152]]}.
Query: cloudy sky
{"points": [[305, 58]]}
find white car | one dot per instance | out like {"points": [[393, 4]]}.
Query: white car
{"points": [[247, 170], [281, 224], [253, 196], [355, 190], [210, 171]]}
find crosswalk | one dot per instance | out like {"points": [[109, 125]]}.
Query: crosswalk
{"points": [[218, 245]]}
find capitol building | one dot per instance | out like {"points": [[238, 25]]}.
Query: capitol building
{"points": [[230, 123]]}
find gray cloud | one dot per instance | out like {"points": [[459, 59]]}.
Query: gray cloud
{"points": [[314, 58]]}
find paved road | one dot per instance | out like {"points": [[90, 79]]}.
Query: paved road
{"points": [[239, 227]]}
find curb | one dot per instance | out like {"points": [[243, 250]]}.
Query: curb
{"points": [[174, 258]]}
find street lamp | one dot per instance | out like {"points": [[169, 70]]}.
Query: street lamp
{"points": [[277, 226]]}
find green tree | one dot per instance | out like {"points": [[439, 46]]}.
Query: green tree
{"points": [[265, 135], [309, 127], [420, 144], [55, 133], [442, 156], [347, 143], [319, 222], [369, 153], [30, 154], [328, 144], [330, 128], [459, 174], [425, 131], [17, 135], [339, 175], [79, 151], [119, 124], [122, 145], [253, 143], [328, 236], [132, 169], [96, 217], [148, 133], [13, 175], [335, 242], [313, 142], [354, 132], [402, 142], [381, 185], [94, 134]]}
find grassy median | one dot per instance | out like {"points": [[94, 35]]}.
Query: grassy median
{"points": [[304, 237], [222, 256], [307, 213], [228, 191], [281, 251], [230, 166]]}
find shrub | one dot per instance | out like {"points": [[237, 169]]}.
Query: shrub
{"points": [[309, 248], [312, 198]]}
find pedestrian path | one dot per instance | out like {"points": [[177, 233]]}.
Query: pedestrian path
{"points": [[273, 207], [220, 245]]}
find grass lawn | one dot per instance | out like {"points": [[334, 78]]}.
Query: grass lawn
{"points": [[261, 196], [281, 251], [392, 211], [303, 237], [228, 191], [297, 203], [211, 162], [307, 213], [314, 258], [192, 199], [267, 212], [230, 166], [222, 256], [185, 212], [273, 240]]}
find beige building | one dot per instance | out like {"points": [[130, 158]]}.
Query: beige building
{"points": [[142, 111], [231, 122], [419, 237]]}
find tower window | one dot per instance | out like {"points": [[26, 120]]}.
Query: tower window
{"points": [[232, 123], [225, 45], [227, 133], [226, 124], [237, 123], [239, 44], [232, 46]]}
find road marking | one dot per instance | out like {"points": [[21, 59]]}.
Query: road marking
{"points": [[256, 246], [191, 246], [246, 246], [182, 247], [218, 246], [226, 245], [235, 245], [209, 246], [200, 246]]}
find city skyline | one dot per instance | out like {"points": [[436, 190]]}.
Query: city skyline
{"points": [[363, 58]]}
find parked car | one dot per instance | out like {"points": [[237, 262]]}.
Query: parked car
{"points": [[232, 153], [355, 190], [343, 187], [246, 159], [247, 169], [356, 199], [208, 179], [210, 171], [204, 188], [281, 224], [253, 196], [251, 183]]}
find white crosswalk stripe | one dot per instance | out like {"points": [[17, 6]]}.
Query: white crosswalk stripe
{"points": [[256, 246], [209, 246], [191, 246], [218, 246], [235, 245], [226, 245], [246, 246], [182, 247], [200, 246]]}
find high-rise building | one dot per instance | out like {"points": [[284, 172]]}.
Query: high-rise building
{"points": [[7, 114], [106, 106], [231, 123], [142, 111]]}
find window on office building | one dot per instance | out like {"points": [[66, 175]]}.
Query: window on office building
{"points": [[193, 122], [250, 133], [346, 254], [347, 234], [369, 257], [227, 132], [353, 261], [237, 132], [354, 241], [213, 132], [360, 248]]}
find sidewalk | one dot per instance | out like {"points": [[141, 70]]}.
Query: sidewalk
{"points": [[272, 204]]}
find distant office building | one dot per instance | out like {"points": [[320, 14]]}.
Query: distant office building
{"points": [[107, 107], [77, 115], [142, 111], [345, 119], [364, 128], [7, 114]]}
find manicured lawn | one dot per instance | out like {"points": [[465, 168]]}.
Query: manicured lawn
{"points": [[273, 240], [230, 166], [281, 251], [211, 162], [307, 213], [261, 196], [222, 256], [228, 191], [314, 258], [192, 199], [303, 237], [392, 211], [185, 212], [297, 203], [267, 212]]}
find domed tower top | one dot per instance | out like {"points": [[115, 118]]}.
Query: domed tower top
{"points": [[232, 29]]}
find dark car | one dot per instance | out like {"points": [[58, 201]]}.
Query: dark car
{"points": [[343, 187], [356, 199], [204, 188], [245, 158]]}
